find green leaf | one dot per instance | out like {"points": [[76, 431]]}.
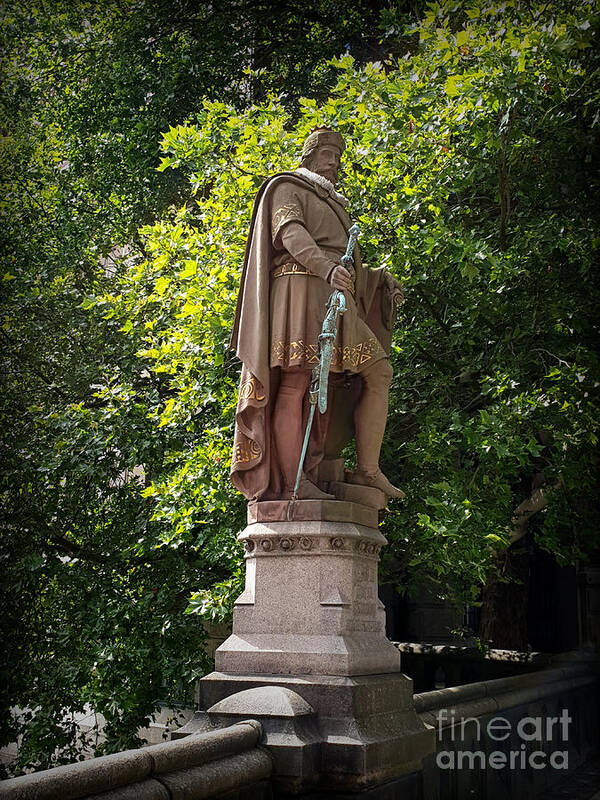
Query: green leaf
{"points": [[190, 268], [161, 285], [450, 86]]}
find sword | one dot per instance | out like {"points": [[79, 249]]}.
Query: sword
{"points": [[348, 258], [319, 380]]}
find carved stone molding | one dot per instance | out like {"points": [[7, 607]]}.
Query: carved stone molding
{"points": [[277, 545], [280, 545], [276, 539], [287, 543]]}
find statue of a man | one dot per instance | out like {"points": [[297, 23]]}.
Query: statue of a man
{"points": [[298, 234]]}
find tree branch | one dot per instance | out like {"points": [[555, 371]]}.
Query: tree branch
{"points": [[536, 501]]}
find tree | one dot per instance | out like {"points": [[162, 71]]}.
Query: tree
{"points": [[470, 166], [95, 580]]}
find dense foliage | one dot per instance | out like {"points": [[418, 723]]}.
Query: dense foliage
{"points": [[472, 167], [95, 582]]}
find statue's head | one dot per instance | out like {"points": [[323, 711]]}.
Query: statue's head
{"points": [[322, 152]]}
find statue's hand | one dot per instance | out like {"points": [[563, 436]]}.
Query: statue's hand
{"points": [[340, 279]]}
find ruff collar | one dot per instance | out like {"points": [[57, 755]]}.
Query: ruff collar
{"points": [[324, 183]]}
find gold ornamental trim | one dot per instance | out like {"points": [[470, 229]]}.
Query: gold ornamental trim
{"points": [[289, 353], [290, 268], [285, 213], [251, 389], [245, 451]]}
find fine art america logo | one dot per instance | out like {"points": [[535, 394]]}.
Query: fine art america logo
{"points": [[529, 734]]}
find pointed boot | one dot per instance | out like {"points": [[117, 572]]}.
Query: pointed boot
{"points": [[376, 479]]}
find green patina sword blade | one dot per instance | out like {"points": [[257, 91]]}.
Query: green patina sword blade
{"points": [[336, 305]]}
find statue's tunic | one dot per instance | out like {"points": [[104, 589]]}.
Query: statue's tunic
{"points": [[280, 310], [300, 288]]}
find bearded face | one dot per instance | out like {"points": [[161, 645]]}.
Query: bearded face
{"points": [[325, 161]]}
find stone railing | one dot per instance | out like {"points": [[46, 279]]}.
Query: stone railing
{"points": [[438, 666], [511, 737], [197, 767]]}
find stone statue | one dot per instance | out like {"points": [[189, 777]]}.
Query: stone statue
{"points": [[309, 628], [293, 262]]}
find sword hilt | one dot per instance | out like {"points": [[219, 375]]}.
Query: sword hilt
{"points": [[348, 257]]}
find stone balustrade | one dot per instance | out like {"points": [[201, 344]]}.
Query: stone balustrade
{"points": [[488, 696], [513, 737], [439, 666], [196, 767], [529, 719]]}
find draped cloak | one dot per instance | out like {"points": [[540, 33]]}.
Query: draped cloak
{"points": [[265, 335]]}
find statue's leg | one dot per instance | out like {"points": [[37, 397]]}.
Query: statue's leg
{"points": [[370, 417], [288, 432]]}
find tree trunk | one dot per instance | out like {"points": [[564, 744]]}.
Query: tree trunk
{"points": [[505, 605]]}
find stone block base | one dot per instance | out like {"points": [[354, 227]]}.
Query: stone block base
{"points": [[324, 731], [308, 657], [363, 495]]}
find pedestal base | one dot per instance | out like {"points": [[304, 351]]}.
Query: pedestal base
{"points": [[308, 656], [324, 731], [310, 604]]}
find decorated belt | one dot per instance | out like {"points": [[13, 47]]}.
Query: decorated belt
{"points": [[290, 268]]}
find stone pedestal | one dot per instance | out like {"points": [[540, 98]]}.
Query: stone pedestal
{"points": [[309, 640], [310, 605]]}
